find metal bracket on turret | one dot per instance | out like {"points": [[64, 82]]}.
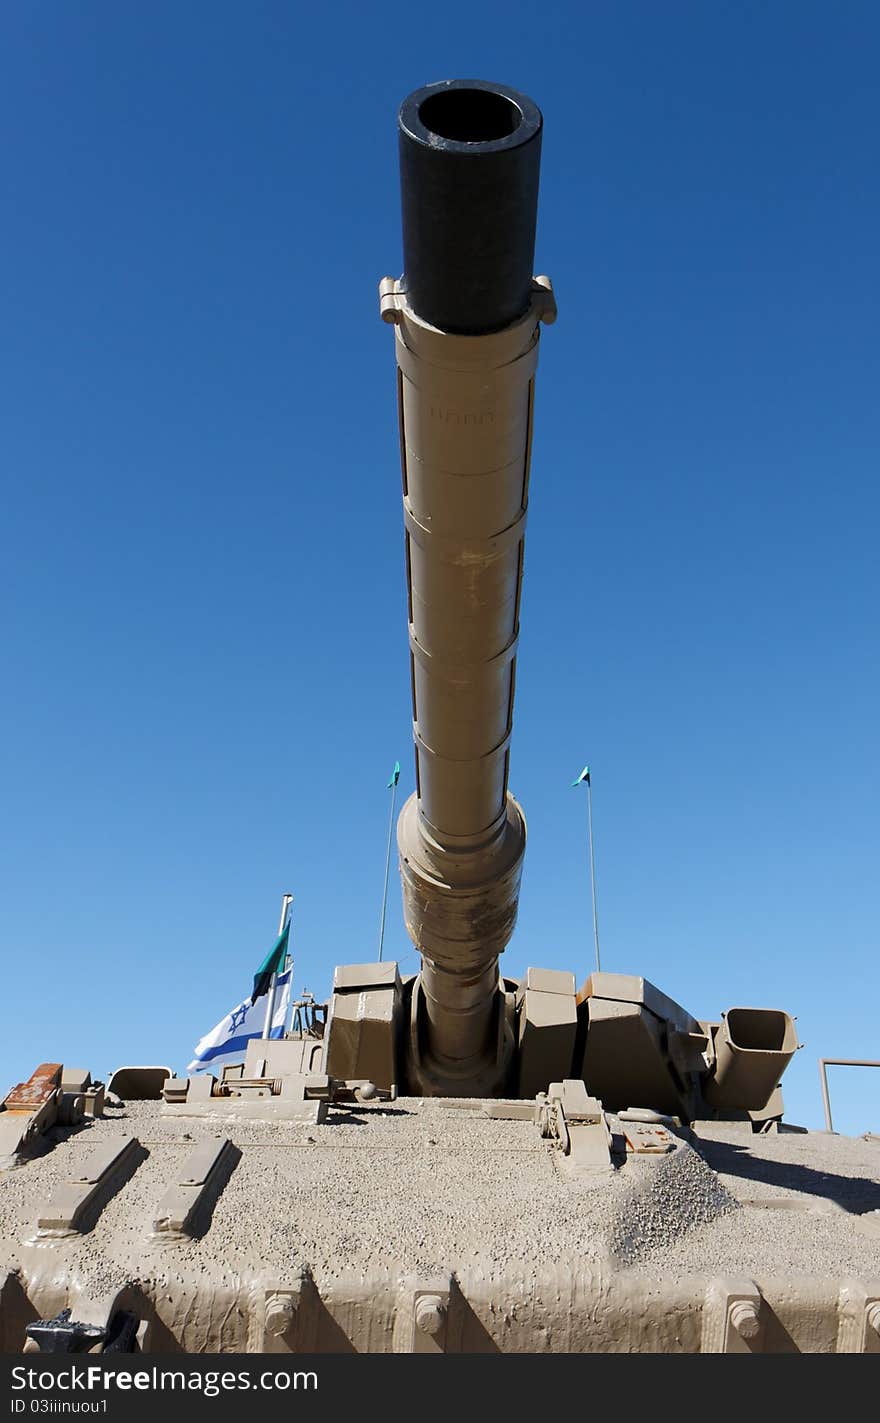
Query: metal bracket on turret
{"points": [[74, 1204], [32, 1108], [290, 1096], [574, 1120]]}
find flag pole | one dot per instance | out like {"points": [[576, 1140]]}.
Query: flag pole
{"points": [[593, 871], [585, 776], [286, 901], [288, 964], [392, 786]]}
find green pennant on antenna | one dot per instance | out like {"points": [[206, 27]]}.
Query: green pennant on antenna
{"points": [[584, 776], [395, 776], [272, 963]]}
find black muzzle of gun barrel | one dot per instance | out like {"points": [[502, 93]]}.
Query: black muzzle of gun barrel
{"points": [[470, 155]]}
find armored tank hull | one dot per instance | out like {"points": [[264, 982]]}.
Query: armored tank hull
{"points": [[445, 1225]]}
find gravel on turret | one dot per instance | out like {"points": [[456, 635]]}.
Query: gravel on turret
{"points": [[809, 1205], [665, 1200]]}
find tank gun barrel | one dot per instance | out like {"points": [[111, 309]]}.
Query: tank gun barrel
{"points": [[467, 312]]}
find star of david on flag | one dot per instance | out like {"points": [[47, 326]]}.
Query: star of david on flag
{"points": [[228, 1042]]}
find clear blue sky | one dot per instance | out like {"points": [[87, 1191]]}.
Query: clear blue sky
{"points": [[204, 650]]}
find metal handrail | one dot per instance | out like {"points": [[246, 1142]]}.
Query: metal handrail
{"points": [[823, 1077]]}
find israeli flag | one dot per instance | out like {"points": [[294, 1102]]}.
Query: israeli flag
{"points": [[228, 1042]]}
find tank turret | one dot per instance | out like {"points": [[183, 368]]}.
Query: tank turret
{"points": [[467, 314]]}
